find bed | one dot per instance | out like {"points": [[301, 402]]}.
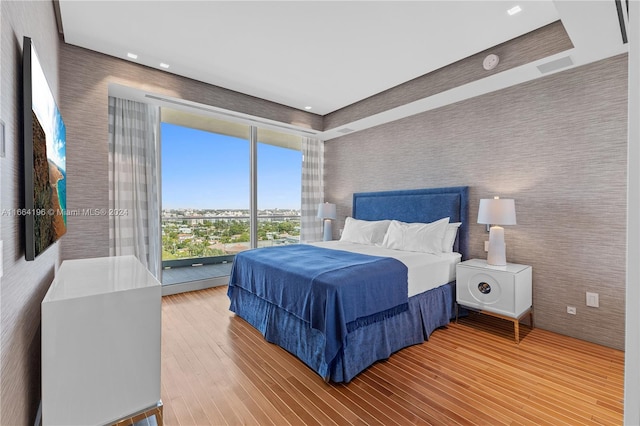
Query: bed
{"points": [[393, 299]]}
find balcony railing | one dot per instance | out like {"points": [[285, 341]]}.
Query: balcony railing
{"points": [[208, 240]]}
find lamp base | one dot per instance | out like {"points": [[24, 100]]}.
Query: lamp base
{"points": [[327, 230], [497, 255]]}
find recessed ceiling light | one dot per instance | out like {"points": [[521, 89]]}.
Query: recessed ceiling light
{"points": [[132, 55], [307, 108], [514, 10], [163, 65]]}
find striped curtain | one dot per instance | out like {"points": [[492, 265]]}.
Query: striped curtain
{"points": [[134, 182], [312, 189]]}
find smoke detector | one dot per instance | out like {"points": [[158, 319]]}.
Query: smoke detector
{"points": [[490, 62]]}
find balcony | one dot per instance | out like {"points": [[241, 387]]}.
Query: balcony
{"points": [[199, 246]]}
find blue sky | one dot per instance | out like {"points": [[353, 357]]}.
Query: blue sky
{"points": [[207, 170], [45, 108]]}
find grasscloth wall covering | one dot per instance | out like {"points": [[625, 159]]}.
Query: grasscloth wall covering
{"points": [[537, 44], [24, 284], [85, 79], [558, 146]]}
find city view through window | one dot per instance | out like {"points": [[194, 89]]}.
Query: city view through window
{"points": [[206, 191]]}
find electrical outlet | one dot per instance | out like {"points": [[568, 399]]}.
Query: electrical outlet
{"points": [[486, 246], [571, 310], [593, 300]]}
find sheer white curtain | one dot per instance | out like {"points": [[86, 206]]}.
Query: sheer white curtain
{"points": [[312, 189], [134, 182]]}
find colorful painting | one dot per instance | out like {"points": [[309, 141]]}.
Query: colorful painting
{"points": [[49, 163]]}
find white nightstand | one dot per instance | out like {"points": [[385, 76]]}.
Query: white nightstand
{"points": [[501, 291]]}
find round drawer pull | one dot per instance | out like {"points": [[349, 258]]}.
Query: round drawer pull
{"points": [[484, 288]]}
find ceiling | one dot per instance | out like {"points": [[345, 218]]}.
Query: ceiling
{"points": [[324, 54]]}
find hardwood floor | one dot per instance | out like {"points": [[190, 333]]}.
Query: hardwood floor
{"points": [[218, 370]]}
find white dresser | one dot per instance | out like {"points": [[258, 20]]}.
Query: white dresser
{"points": [[101, 326]]}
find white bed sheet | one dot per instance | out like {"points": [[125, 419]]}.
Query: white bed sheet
{"points": [[425, 270]]}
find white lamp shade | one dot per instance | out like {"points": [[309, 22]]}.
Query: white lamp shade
{"points": [[327, 211], [497, 211]]}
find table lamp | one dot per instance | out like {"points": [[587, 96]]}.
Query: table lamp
{"points": [[327, 212], [495, 212]]}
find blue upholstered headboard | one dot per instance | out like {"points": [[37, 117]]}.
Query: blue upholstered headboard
{"points": [[418, 205]]}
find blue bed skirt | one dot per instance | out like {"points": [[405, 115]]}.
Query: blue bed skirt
{"points": [[363, 346]]}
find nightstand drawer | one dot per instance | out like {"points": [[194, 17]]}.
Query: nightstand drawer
{"points": [[502, 290]]}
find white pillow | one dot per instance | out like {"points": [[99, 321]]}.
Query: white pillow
{"points": [[420, 237], [370, 232], [450, 237]]}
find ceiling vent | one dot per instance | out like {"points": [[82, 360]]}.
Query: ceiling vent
{"points": [[555, 65]]}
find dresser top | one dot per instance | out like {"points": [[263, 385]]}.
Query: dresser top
{"points": [[482, 264], [90, 277]]}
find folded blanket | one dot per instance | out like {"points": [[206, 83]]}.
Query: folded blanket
{"points": [[326, 288]]}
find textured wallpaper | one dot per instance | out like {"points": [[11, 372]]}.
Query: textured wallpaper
{"points": [[558, 146], [24, 284]]}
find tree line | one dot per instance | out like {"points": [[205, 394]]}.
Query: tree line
{"points": [[202, 236]]}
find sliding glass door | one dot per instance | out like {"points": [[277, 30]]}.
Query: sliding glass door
{"points": [[279, 174], [212, 170]]}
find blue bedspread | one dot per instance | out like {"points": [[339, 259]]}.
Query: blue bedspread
{"points": [[326, 288]]}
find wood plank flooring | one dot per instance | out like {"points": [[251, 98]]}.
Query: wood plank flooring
{"points": [[218, 370]]}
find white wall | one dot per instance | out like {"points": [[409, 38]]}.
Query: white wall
{"points": [[632, 334]]}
